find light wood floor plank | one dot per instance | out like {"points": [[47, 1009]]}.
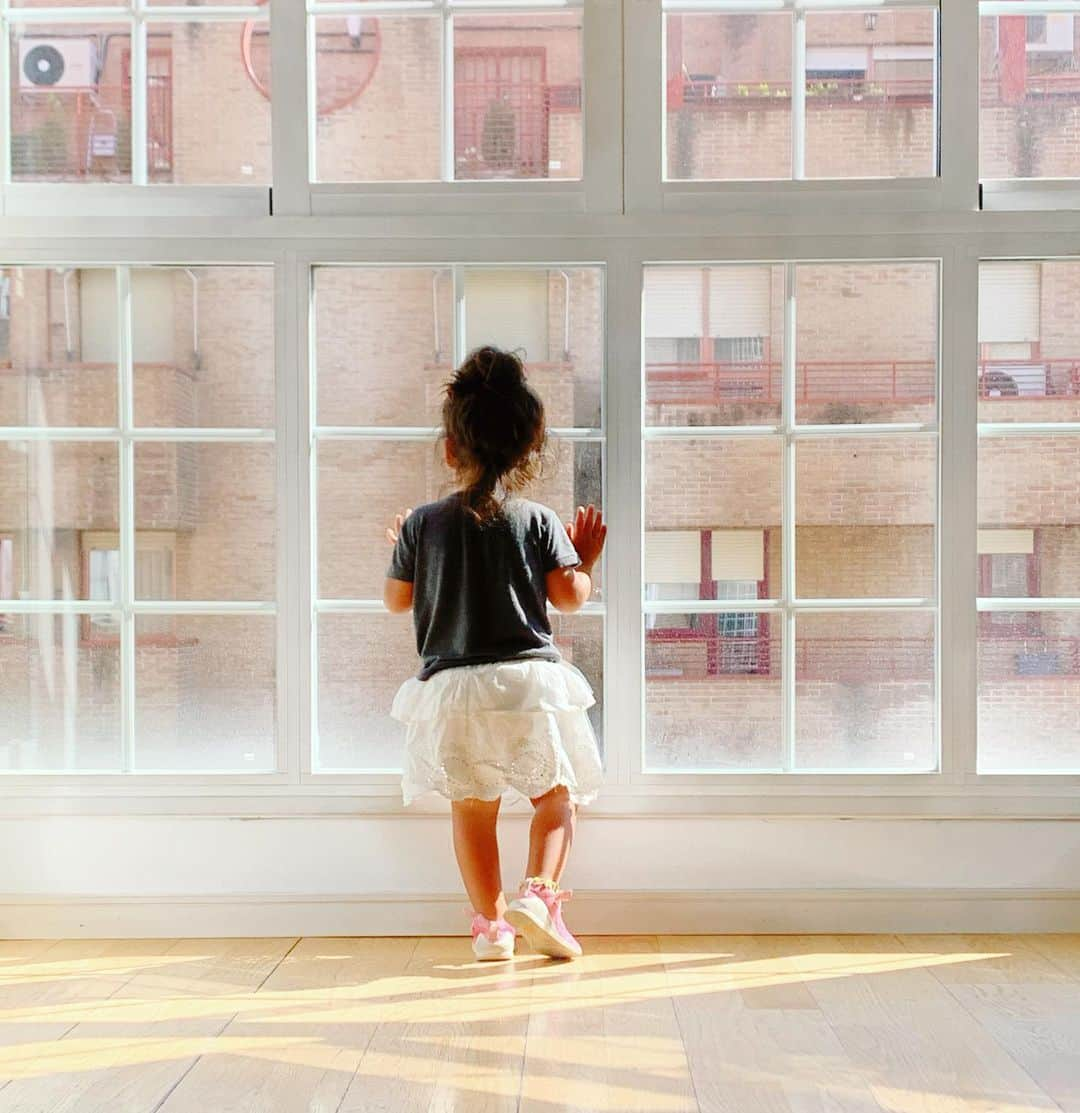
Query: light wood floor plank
{"points": [[720, 1024]]}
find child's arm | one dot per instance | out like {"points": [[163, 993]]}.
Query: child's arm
{"points": [[568, 589], [397, 594]]}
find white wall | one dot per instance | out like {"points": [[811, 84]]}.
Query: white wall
{"points": [[177, 875]]}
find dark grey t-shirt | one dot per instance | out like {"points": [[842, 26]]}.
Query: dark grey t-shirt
{"points": [[479, 594]]}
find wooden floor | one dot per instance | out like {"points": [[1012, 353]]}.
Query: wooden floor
{"points": [[814, 1024]]}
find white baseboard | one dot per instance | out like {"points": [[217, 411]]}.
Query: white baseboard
{"points": [[609, 912]]}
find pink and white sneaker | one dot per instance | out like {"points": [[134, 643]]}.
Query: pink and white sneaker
{"points": [[537, 913], [492, 940]]}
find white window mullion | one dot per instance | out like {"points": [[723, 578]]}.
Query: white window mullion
{"points": [[292, 115], [125, 369], [798, 95], [624, 661], [293, 602], [959, 98], [644, 101], [601, 106], [139, 65], [787, 522]]}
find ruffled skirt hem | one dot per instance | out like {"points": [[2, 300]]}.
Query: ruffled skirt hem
{"points": [[478, 731]]}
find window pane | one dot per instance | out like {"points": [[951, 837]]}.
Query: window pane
{"points": [[712, 513], [204, 346], [379, 84], [385, 339], [870, 103], [712, 693], [54, 367], [1029, 692], [1029, 506], [714, 339], [384, 344], [866, 342], [362, 485], [517, 95], [554, 320], [216, 504], [1029, 123], [580, 639], [865, 511], [71, 102], [204, 693], [208, 104], [363, 659], [60, 691], [728, 96], [864, 691], [1029, 340], [53, 492]]}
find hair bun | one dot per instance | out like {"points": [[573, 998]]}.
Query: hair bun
{"points": [[498, 368]]}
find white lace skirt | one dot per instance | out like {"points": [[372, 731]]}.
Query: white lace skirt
{"points": [[476, 731]]}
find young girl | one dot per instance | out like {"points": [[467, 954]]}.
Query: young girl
{"points": [[495, 706]]}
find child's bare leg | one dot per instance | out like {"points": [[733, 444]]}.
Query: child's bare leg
{"points": [[551, 834], [476, 845]]}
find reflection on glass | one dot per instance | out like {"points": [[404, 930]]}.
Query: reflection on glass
{"points": [[205, 693], [864, 691], [60, 690], [1029, 692]]}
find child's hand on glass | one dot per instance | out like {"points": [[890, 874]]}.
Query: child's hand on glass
{"points": [[587, 534], [394, 532]]}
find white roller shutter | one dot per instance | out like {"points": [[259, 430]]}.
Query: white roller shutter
{"points": [[1008, 303], [738, 554], [508, 308], [836, 59], [993, 541], [673, 557], [739, 301], [673, 302]]}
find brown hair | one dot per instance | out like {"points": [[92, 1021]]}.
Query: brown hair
{"points": [[495, 423]]}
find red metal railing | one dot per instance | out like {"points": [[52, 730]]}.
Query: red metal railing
{"points": [[1061, 85], [853, 660], [720, 93], [852, 382], [717, 383]]}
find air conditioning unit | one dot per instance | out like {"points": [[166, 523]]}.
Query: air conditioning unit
{"points": [[49, 64]]}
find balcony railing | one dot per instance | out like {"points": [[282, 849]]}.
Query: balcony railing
{"points": [[850, 382], [703, 91], [701, 655], [707, 91]]}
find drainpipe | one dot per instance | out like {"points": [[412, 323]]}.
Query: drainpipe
{"points": [[566, 316], [69, 350], [196, 356]]}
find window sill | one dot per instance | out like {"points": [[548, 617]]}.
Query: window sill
{"points": [[273, 796], [425, 198], [1031, 194], [62, 199], [804, 197]]}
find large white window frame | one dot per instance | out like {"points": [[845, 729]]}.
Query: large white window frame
{"points": [[762, 222], [599, 190], [785, 604], [1011, 194], [136, 196]]}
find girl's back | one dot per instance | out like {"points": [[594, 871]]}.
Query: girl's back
{"points": [[479, 593]]}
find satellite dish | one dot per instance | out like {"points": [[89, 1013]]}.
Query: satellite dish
{"points": [[43, 65], [347, 52]]}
